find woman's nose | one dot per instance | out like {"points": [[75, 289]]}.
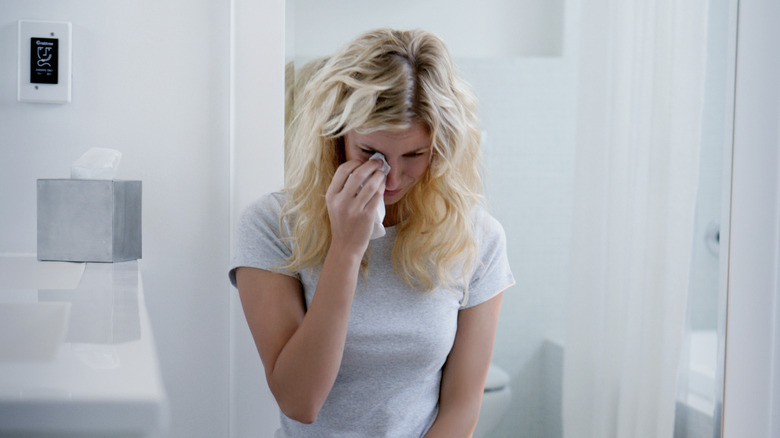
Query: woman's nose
{"points": [[392, 180]]}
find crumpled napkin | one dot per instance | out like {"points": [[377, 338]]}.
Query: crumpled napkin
{"points": [[379, 229]]}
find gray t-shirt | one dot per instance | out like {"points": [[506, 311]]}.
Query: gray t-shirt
{"points": [[398, 338]]}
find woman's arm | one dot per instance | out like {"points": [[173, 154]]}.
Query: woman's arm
{"points": [[301, 349], [464, 373]]}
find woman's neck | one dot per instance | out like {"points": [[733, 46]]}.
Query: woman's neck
{"points": [[392, 218]]}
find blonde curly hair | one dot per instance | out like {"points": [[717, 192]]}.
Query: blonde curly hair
{"points": [[387, 80]]}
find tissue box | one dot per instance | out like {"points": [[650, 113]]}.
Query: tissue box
{"points": [[82, 220]]}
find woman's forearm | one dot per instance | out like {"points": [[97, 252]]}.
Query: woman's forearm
{"points": [[306, 368]]}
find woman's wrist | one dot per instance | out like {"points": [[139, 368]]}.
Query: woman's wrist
{"points": [[346, 255]]}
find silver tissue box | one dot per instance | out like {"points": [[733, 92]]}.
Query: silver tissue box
{"points": [[83, 220]]}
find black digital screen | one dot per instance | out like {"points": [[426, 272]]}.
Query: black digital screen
{"points": [[43, 60]]}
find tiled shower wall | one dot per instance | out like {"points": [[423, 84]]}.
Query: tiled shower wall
{"points": [[528, 114]]}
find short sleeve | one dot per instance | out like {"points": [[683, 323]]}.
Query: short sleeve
{"points": [[492, 273], [258, 240]]}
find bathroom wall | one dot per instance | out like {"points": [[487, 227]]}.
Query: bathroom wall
{"points": [[151, 79], [529, 117], [528, 109], [752, 389], [257, 155], [484, 29], [706, 255]]}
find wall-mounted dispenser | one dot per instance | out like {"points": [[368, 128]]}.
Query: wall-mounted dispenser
{"points": [[44, 61]]}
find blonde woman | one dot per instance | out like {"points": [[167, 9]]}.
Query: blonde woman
{"points": [[390, 337]]}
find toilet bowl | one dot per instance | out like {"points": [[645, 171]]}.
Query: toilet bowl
{"points": [[495, 401]]}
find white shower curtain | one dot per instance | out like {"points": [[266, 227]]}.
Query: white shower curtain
{"points": [[640, 103]]}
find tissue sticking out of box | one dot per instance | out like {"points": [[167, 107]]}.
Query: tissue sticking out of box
{"points": [[96, 163]]}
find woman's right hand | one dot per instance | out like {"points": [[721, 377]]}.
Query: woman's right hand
{"points": [[352, 198]]}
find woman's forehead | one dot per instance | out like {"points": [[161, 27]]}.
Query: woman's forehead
{"points": [[415, 135]]}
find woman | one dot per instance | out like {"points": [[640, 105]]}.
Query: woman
{"points": [[391, 336]]}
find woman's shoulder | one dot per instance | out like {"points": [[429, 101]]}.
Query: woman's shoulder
{"points": [[259, 241], [269, 204], [271, 200], [264, 210], [485, 224]]}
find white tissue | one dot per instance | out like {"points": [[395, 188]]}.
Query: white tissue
{"points": [[96, 163], [379, 229]]}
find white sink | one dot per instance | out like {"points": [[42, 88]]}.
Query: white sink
{"points": [[32, 332], [77, 352]]}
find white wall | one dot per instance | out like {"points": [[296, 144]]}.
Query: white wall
{"points": [[150, 78], [528, 111], [473, 29], [528, 108], [752, 392], [704, 299], [257, 154]]}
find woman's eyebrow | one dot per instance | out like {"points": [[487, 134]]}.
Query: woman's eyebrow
{"points": [[370, 148]]}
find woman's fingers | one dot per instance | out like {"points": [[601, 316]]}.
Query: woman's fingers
{"points": [[355, 177], [342, 175], [370, 187], [352, 198]]}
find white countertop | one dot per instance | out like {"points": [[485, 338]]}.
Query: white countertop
{"points": [[77, 353]]}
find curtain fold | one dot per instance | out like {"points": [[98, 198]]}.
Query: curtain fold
{"points": [[639, 121]]}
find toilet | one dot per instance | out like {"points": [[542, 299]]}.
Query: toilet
{"points": [[495, 401]]}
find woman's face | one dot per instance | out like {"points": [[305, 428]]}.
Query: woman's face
{"points": [[408, 152]]}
